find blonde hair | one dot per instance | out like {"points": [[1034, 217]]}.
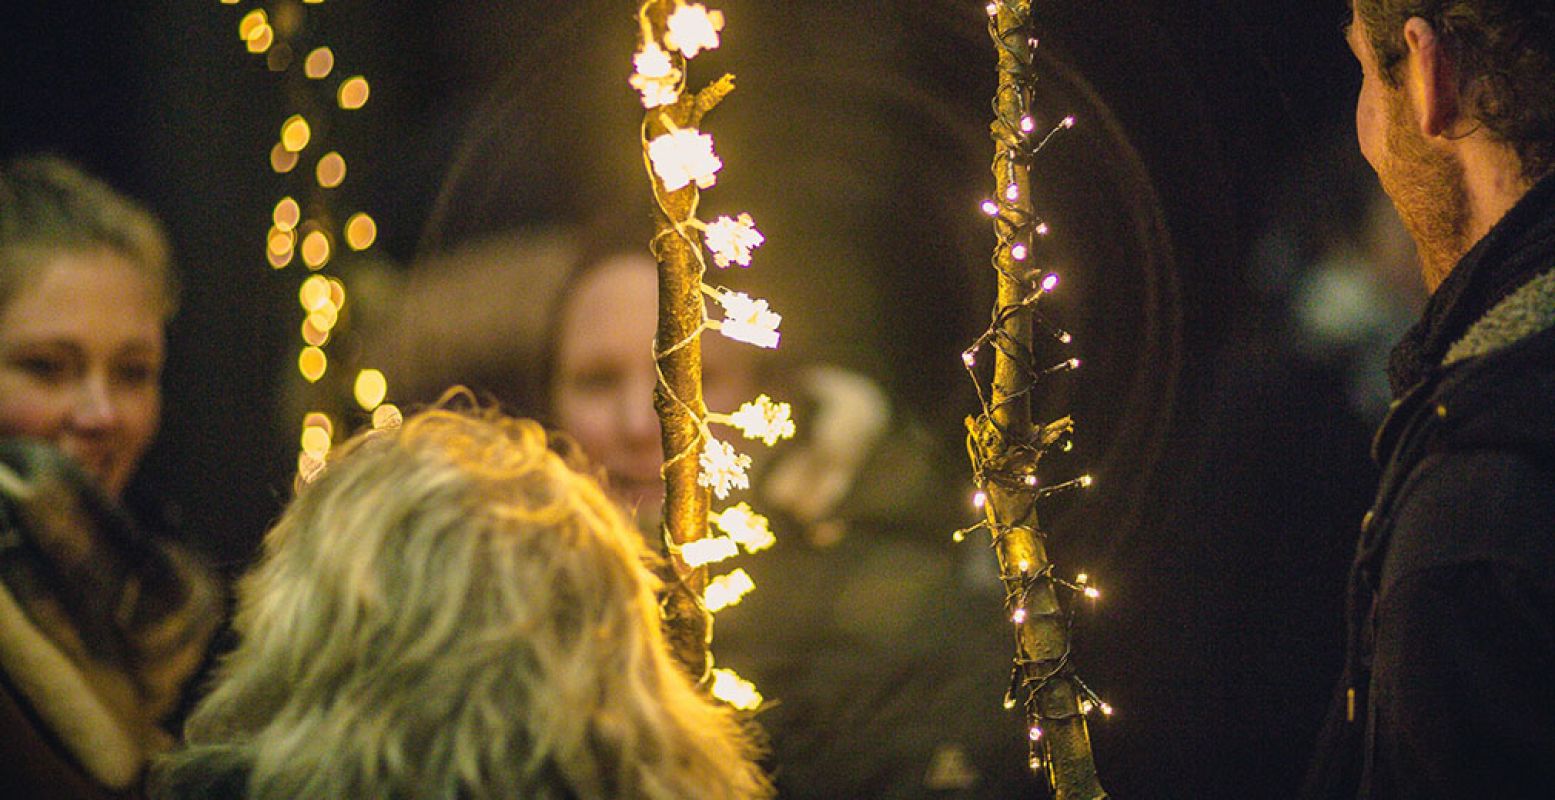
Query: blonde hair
{"points": [[450, 610], [48, 206]]}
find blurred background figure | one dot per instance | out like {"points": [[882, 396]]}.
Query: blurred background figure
{"points": [[102, 618], [450, 610]]}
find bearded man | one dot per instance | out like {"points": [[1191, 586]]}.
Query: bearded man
{"points": [[1449, 686]]}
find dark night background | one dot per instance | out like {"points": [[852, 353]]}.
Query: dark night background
{"points": [[1238, 471]]}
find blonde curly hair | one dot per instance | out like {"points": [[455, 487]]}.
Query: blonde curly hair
{"points": [[450, 610]]}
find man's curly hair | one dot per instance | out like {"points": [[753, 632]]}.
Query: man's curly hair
{"points": [[1505, 54]]}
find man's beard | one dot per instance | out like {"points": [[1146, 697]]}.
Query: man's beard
{"points": [[1428, 189]]}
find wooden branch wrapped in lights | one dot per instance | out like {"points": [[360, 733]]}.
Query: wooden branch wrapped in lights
{"points": [[680, 161], [1005, 446]]}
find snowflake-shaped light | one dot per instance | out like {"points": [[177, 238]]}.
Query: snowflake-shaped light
{"points": [[723, 468], [729, 687], [746, 527], [709, 550], [748, 320], [732, 240], [656, 78], [727, 590], [685, 156], [765, 420], [692, 29]]}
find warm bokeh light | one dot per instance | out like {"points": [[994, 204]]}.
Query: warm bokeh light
{"points": [[312, 363], [371, 388], [727, 590], [281, 159], [734, 690], [361, 231], [353, 93], [337, 293], [260, 39], [319, 419], [319, 63], [315, 441], [312, 334], [314, 293], [251, 22], [278, 260], [286, 214], [387, 416], [331, 170], [315, 249], [295, 133], [324, 318], [280, 242]]}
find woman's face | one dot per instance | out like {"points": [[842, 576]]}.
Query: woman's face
{"points": [[602, 388], [81, 350]]}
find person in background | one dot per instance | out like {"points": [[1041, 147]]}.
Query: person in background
{"points": [[1449, 687], [450, 610], [102, 621]]}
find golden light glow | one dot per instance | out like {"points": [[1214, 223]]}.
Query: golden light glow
{"points": [[727, 590], [325, 318], [692, 29], [750, 530], [281, 159], [731, 240], [331, 170], [315, 249], [287, 214], [361, 231], [387, 416], [309, 466], [260, 39], [353, 93], [337, 293], [295, 133], [319, 63], [315, 441], [683, 157], [371, 388], [278, 260], [734, 690], [312, 335], [656, 77], [710, 550], [765, 420], [314, 293], [748, 320], [252, 21], [280, 242], [319, 419], [312, 363]]}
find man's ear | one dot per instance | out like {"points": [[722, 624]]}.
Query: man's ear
{"points": [[1432, 79]]}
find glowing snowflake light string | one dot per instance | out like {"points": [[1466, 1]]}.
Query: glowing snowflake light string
{"points": [[681, 160], [1006, 448]]}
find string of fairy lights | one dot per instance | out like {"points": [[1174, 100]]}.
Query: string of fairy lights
{"points": [[304, 225], [1004, 446], [681, 157]]}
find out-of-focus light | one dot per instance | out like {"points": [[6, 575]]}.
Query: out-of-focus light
{"points": [[295, 133], [315, 249], [315, 441], [325, 319], [280, 242], [371, 388], [387, 416], [320, 420], [331, 170], [979, 500], [312, 363], [286, 214], [281, 159], [337, 293], [990, 208], [1050, 283], [361, 231], [312, 334], [1019, 252], [251, 22], [353, 93], [309, 466], [314, 293], [319, 63]]}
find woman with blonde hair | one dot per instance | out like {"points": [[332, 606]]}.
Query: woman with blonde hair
{"points": [[449, 610]]}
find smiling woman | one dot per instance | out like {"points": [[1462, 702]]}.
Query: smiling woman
{"points": [[101, 624]]}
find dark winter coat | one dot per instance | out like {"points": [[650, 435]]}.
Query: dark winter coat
{"points": [[1449, 688]]}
